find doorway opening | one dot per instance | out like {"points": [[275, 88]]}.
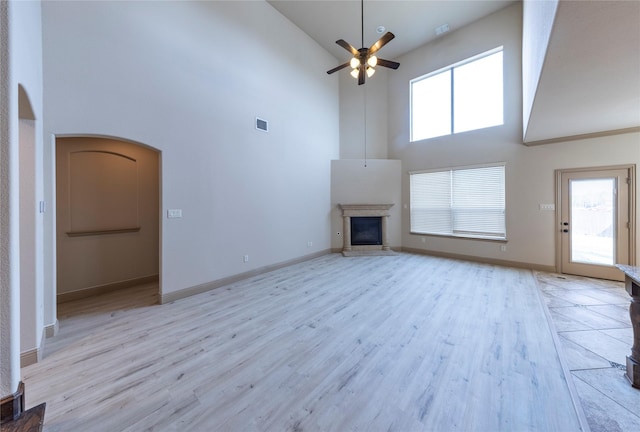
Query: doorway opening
{"points": [[30, 234], [596, 221], [107, 218]]}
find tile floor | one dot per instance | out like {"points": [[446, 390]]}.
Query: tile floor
{"points": [[591, 317]]}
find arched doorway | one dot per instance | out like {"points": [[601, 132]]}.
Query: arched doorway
{"points": [[31, 232], [107, 216]]}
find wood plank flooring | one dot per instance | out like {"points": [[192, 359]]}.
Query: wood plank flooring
{"points": [[393, 343]]}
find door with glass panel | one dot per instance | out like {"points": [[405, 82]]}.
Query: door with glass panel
{"points": [[595, 221]]}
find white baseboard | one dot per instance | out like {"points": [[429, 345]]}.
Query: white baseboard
{"points": [[52, 329], [102, 289], [199, 289]]}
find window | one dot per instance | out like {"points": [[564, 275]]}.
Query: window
{"points": [[464, 202], [459, 98]]}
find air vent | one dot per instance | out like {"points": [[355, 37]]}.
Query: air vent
{"points": [[262, 125]]}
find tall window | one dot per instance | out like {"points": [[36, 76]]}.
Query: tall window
{"points": [[458, 98], [464, 202]]}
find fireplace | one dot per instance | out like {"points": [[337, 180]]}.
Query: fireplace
{"points": [[365, 229]]}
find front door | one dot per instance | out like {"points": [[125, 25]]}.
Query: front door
{"points": [[595, 221]]}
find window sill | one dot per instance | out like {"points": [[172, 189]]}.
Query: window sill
{"points": [[463, 237]]}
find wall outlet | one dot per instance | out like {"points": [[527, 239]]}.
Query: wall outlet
{"points": [[503, 248], [245, 258], [424, 240], [309, 244]]}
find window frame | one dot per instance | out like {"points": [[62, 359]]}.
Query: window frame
{"points": [[453, 233], [450, 69]]}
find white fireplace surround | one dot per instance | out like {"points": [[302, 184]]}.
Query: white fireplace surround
{"points": [[365, 210]]}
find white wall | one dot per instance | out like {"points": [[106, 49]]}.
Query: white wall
{"points": [[188, 78], [529, 170], [376, 181], [538, 18], [20, 36], [363, 110]]}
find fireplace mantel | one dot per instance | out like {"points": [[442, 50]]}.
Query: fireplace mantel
{"points": [[365, 210]]}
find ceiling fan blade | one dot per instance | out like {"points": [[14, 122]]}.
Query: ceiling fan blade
{"points": [[381, 42], [346, 45], [361, 75], [337, 68], [388, 63]]}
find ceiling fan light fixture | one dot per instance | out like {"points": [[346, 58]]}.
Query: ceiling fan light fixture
{"points": [[364, 61]]}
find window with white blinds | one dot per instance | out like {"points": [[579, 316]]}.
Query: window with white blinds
{"points": [[465, 202]]}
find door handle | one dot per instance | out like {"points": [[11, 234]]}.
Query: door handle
{"points": [[565, 230]]}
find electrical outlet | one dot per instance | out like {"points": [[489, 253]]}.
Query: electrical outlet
{"points": [[503, 248], [424, 240], [309, 244], [245, 258]]}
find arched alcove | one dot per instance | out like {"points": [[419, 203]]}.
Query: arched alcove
{"points": [[25, 110], [31, 231], [107, 215]]}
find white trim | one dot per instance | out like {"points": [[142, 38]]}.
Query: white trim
{"points": [[458, 64], [460, 167]]}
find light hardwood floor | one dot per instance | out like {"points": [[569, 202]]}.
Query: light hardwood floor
{"points": [[400, 343]]}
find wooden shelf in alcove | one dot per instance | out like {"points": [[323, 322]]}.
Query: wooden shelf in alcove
{"points": [[102, 232]]}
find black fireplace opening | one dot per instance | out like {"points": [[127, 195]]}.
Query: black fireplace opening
{"points": [[366, 230]]}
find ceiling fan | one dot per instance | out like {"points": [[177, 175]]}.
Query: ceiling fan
{"points": [[364, 61]]}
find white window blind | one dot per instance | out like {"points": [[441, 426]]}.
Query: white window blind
{"points": [[465, 202]]}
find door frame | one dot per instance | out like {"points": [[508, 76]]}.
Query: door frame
{"points": [[631, 169]]}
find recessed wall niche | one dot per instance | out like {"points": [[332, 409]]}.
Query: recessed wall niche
{"points": [[107, 214], [103, 192]]}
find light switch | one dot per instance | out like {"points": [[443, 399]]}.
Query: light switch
{"points": [[547, 207], [174, 213]]}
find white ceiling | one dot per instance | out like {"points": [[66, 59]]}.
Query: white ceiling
{"points": [[590, 82], [412, 22]]}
